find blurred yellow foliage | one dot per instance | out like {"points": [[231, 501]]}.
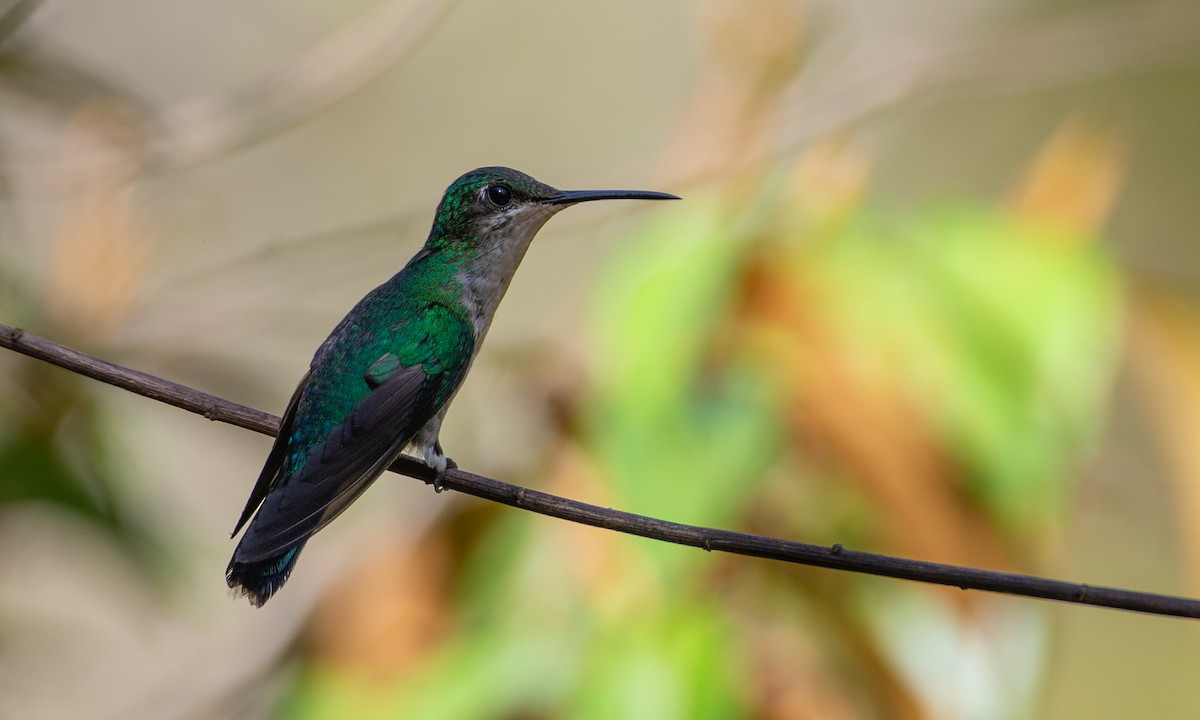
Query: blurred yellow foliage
{"points": [[103, 248], [1075, 178]]}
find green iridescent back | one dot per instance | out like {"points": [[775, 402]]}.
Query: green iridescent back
{"points": [[424, 325]]}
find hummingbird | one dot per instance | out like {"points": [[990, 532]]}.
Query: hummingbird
{"points": [[381, 382]]}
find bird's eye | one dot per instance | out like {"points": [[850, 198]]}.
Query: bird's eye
{"points": [[500, 195]]}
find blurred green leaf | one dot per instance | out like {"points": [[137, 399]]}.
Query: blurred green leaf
{"points": [[678, 662], [1004, 329], [680, 435], [53, 450]]}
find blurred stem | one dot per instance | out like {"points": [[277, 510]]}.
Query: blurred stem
{"points": [[206, 128], [15, 16], [1095, 42]]}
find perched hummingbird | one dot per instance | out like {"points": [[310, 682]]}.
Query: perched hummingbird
{"points": [[382, 380]]}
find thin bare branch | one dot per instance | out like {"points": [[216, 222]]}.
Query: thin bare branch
{"points": [[835, 557]]}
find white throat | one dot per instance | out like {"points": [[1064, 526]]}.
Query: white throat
{"points": [[502, 248]]}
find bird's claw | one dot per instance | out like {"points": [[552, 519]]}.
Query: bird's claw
{"points": [[438, 484]]}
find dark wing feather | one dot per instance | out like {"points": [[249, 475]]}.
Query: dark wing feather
{"points": [[274, 463], [339, 469]]}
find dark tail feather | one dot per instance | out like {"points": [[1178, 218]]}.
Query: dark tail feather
{"points": [[259, 580]]}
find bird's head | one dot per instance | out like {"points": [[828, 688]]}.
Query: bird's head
{"points": [[498, 209]]}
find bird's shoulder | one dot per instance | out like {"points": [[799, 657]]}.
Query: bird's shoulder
{"points": [[415, 316]]}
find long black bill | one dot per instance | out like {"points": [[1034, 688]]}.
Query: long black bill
{"points": [[569, 197]]}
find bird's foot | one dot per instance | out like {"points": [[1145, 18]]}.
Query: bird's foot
{"points": [[447, 464]]}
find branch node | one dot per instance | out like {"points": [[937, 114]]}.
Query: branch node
{"points": [[217, 408]]}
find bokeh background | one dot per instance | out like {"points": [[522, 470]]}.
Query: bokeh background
{"points": [[933, 291]]}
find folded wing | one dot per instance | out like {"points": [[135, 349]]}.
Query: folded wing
{"points": [[336, 471]]}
